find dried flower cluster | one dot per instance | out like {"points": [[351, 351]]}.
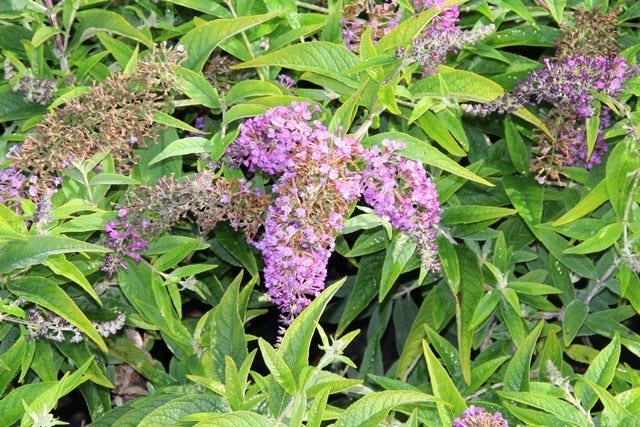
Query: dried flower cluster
{"points": [[360, 14], [114, 116], [399, 190], [592, 33], [219, 71], [475, 416], [316, 176], [202, 196], [431, 47], [586, 63], [55, 328]]}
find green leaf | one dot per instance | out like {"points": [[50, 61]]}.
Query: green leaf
{"points": [[32, 250], [237, 245], [556, 8], [525, 35], [277, 367], [400, 251], [527, 196], [556, 245], [171, 412], [182, 147], [469, 214], [596, 197], [373, 408], [419, 150], [204, 6], [364, 290], [601, 371], [443, 388], [574, 316], [605, 238], [533, 288], [14, 106], [236, 419], [122, 348], [428, 314], [592, 124], [516, 377], [344, 116], [203, 39], [450, 264], [326, 59], [485, 308], [436, 129], [225, 329], [471, 290], [248, 89], [295, 344], [534, 417], [119, 50], [196, 87], [43, 34], [568, 414], [622, 161], [113, 179], [47, 294], [10, 361], [517, 7], [62, 267], [168, 120], [613, 412], [518, 150], [94, 21]]}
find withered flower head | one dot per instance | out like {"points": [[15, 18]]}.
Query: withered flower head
{"points": [[112, 116], [592, 33]]}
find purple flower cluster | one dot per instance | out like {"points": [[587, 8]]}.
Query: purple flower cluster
{"points": [[475, 416], [399, 190], [569, 82], [286, 81], [576, 151], [360, 14], [313, 186], [55, 328], [442, 37], [125, 239], [199, 123], [14, 183], [36, 90]]}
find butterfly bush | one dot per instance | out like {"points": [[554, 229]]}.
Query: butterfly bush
{"points": [[443, 36], [18, 183], [314, 185], [567, 82], [475, 416], [126, 239], [399, 190], [380, 18], [316, 176], [316, 179]]}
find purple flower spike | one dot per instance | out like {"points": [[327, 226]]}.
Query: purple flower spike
{"points": [[399, 190], [475, 416], [125, 239]]}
